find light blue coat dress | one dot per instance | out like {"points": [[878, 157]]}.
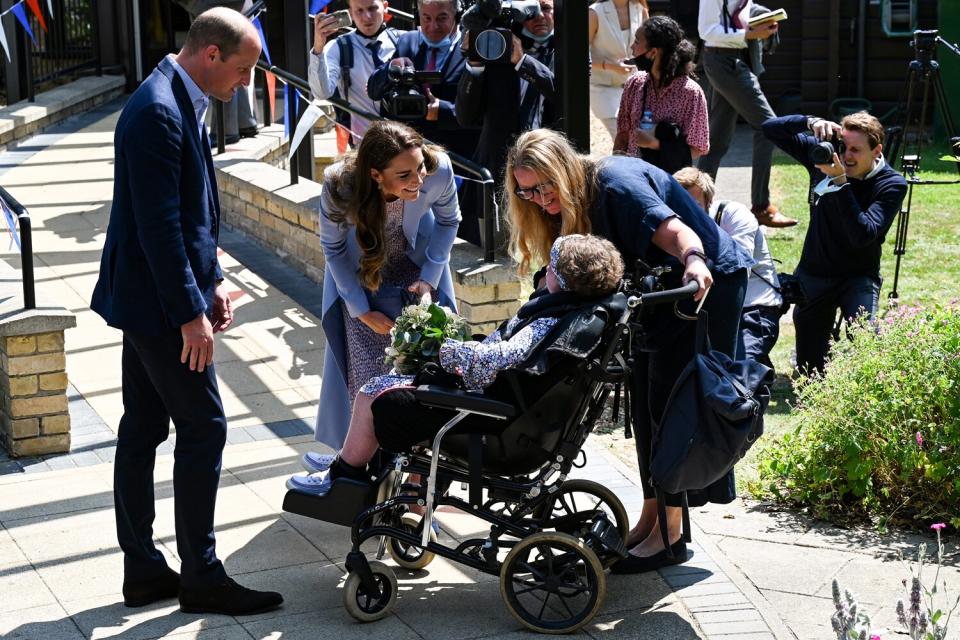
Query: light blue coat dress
{"points": [[430, 226]]}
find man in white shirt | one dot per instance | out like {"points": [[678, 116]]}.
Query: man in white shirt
{"points": [[760, 318], [724, 29], [370, 45]]}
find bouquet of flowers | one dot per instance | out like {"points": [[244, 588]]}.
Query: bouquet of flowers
{"points": [[418, 334]]}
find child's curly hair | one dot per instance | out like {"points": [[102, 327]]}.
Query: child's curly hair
{"points": [[589, 265]]}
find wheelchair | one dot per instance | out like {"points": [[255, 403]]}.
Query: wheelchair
{"points": [[512, 447]]}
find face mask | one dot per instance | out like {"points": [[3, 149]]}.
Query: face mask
{"points": [[537, 39], [443, 44], [642, 62]]}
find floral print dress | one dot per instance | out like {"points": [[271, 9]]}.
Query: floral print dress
{"points": [[478, 363]]}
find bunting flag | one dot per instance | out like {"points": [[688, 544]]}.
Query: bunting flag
{"points": [[316, 6], [35, 8], [21, 15], [310, 116], [3, 41], [289, 95], [272, 93], [263, 40], [50, 7], [11, 224]]}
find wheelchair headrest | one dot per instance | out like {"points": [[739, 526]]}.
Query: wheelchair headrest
{"points": [[577, 334]]}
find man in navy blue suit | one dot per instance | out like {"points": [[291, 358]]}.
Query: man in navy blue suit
{"points": [[435, 46], [161, 284]]}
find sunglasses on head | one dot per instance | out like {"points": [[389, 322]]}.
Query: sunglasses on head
{"points": [[542, 189]]}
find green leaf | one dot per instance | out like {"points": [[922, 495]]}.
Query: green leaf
{"points": [[438, 317]]}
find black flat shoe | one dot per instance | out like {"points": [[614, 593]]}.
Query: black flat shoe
{"points": [[140, 593], [228, 598], [636, 564]]}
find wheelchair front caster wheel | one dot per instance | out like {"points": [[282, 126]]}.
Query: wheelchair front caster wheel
{"points": [[407, 555], [552, 583], [367, 607]]}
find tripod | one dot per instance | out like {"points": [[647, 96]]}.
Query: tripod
{"points": [[923, 74]]}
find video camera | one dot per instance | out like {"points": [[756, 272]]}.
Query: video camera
{"points": [[404, 100], [489, 23]]}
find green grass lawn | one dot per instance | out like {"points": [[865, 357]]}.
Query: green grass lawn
{"points": [[929, 271]]}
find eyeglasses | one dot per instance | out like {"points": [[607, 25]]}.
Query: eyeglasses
{"points": [[543, 189]]}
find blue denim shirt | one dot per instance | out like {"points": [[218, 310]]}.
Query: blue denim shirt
{"points": [[634, 197]]}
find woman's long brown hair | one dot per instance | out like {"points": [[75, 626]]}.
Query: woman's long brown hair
{"points": [[359, 200]]}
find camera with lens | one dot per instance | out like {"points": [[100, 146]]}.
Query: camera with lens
{"points": [[490, 25], [822, 152], [404, 100]]}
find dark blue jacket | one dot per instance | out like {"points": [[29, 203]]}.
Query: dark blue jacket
{"points": [[633, 197], [848, 226], [445, 130], [159, 267]]}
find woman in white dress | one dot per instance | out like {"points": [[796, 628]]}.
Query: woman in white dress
{"points": [[611, 24]]}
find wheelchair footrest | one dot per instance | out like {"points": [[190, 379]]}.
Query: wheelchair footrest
{"points": [[604, 539], [341, 505]]}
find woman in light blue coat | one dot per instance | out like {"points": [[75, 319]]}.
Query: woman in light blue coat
{"points": [[388, 218]]}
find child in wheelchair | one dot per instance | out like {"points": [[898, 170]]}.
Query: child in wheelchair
{"points": [[582, 267]]}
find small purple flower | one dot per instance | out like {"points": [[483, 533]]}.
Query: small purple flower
{"points": [[919, 439], [939, 526], [875, 637]]}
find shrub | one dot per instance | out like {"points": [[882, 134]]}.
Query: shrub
{"points": [[877, 437]]}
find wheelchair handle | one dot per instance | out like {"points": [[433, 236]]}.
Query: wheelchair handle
{"points": [[660, 297]]}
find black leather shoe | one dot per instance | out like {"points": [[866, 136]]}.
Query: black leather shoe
{"points": [[228, 598], [636, 564], [140, 593]]}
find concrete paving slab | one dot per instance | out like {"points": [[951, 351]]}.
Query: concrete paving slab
{"points": [[437, 610], [666, 622], [49, 622], [785, 567], [328, 625], [23, 589], [742, 519], [308, 587], [24, 498], [106, 617], [806, 616]]}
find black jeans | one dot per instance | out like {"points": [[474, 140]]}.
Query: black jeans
{"points": [[815, 320], [156, 389], [657, 370]]}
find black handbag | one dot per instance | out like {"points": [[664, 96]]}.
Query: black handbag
{"points": [[713, 416]]}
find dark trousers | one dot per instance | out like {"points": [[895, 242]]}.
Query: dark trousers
{"points": [[657, 370], [736, 90], [759, 331], [815, 320], [156, 389]]}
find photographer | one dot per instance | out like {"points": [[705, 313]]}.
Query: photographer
{"points": [[435, 46], [506, 100], [344, 65], [855, 196]]}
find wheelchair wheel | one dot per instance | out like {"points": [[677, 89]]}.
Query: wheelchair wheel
{"points": [[569, 511], [406, 555], [552, 583], [365, 607]]}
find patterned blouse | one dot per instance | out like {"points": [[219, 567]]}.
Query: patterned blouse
{"points": [[682, 101], [477, 362]]}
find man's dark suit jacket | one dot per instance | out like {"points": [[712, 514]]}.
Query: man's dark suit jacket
{"points": [[491, 100], [445, 130], [159, 267]]}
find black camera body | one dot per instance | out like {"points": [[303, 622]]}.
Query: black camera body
{"points": [[490, 23], [404, 100], [822, 152]]}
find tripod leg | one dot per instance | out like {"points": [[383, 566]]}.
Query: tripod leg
{"points": [[941, 96], [900, 242]]}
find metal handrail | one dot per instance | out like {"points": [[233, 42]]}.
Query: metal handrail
{"points": [[472, 168], [26, 248]]}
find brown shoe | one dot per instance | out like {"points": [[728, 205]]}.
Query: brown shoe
{"points": [[770, 216]]}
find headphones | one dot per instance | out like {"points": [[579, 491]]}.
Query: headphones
{"points": [[457, 8]]}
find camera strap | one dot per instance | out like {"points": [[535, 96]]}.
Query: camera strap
{"points": [[717, 217]]}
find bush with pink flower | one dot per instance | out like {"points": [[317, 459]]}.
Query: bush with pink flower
{"points": [[877, 437]]}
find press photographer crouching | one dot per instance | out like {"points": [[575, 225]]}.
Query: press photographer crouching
{"points": [[854, 198], [419, 85]]}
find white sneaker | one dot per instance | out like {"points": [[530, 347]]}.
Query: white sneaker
{"points": [[316, 462], [316, 485]]}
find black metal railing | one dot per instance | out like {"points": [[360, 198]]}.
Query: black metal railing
{"points": [[26, 248], [70, 45]]}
